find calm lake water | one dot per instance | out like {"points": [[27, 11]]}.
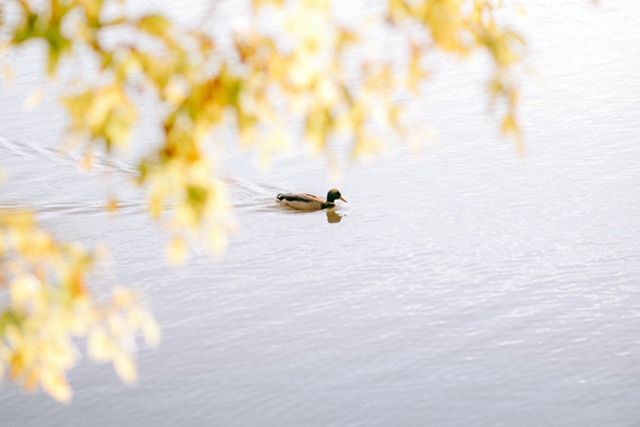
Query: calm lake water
{"points": [[466, 286]]}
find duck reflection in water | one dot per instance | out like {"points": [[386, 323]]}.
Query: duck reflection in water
{"points": [[333, 216]]}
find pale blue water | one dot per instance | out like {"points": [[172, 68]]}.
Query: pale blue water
{"points": [[468, 286]]}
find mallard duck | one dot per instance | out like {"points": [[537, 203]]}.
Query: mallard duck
{"points": [[309, 202]]}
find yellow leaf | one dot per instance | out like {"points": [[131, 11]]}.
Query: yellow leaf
{"points": [[150, 331], [124, 366], [397, 9], [54, 383], [155, 204], [13, 335], [509, 125], [256, 4], [32, 379], [177, 251], [24, 290], [33, 100], [175, 91], [64, 354], [7, 72], [86, 161], [112, 204], [102, 101], [217, 240], [156, 25], [122, 297], [99, 345], [327, 92]]}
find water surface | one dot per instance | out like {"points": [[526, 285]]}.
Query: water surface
{"points": [[467, 286]]}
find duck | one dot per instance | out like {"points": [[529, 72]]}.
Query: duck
{"points": [[309, 202]]}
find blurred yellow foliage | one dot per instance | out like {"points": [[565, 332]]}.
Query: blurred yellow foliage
{"points": [[50, 305], [307, 69]]}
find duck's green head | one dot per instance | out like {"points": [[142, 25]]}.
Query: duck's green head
{"points": [[333, 195]]}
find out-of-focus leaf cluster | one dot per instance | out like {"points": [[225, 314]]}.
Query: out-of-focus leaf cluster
{"points": [[307, 72], [50, 305], [464, 27], [304, 72]]}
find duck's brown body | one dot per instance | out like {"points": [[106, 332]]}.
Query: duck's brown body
{"points": [[309, 202]]}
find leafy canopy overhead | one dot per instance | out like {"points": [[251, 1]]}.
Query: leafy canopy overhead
{"points": [[304, 64]]}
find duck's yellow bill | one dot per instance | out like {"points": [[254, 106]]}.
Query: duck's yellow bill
{"points": [[343, 199]]}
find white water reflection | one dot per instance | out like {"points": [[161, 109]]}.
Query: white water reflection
{"points": [[468, 286]]}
